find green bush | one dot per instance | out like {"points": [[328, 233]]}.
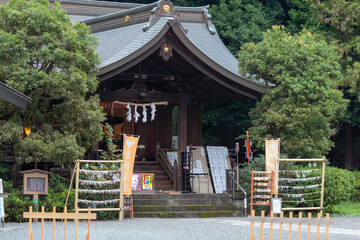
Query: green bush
{"points": [[16, 203], [356, 195], [339, 186]]}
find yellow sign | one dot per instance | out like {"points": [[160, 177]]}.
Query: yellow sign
{"points": [[272, 152], [129, 151]]}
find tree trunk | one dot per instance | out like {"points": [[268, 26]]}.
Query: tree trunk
{"points": [[349, 149], [15, 174]]}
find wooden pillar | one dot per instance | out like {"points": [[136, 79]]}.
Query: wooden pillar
{"points": [[194, 124], [182, 132]]}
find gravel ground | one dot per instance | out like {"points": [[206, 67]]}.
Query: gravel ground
{"points": [[344, 228]]}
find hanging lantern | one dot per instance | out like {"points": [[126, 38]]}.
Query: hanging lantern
{"points": [[27, 131]]}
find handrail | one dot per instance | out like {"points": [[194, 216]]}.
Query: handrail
{"points": [[233, 195], [165, 164]]}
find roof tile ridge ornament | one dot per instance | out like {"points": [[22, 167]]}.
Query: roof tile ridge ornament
{"points": [[208, 20], [164, 8]]}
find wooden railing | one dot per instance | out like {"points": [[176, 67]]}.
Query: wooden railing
{"points": [[164, 163], [58, 215], [290, 220]]}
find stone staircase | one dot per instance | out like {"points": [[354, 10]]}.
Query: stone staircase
{"points": [[188, 205], [161, 181]]}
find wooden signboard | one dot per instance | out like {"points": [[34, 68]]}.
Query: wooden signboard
{"points": [[35, 182], [272, 152]]}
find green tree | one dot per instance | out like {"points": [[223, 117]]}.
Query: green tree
{"points": [[241, 21], [338, 22], [303, 101], [50, 59]]}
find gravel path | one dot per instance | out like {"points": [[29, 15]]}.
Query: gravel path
{"points": [[344, 228]]}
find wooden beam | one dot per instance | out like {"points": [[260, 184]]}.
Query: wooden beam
{"points": [[127, 96]]}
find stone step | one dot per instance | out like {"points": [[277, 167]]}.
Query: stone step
{"points": [[182, 196], [184, 208], [177, 201], [200, 214]]}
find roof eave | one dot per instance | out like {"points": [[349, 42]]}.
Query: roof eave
{"points": [[12, 96]]}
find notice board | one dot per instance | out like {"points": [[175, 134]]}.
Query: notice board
{"points": [[201, 183], [219, 161]]}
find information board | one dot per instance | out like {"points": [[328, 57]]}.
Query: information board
{"points": [[36, 184], [219, 162]]}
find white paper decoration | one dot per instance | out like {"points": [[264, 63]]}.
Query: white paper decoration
{"points": [[144, 113], [136, 114], [128, 114], [153, 110]]}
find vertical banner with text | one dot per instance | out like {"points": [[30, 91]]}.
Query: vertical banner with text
{"points": [[129, 152], [272, 152]]}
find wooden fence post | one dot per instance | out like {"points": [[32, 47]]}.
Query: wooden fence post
{"points": [[309, 226], [290, 225], [327, 227], [65, 222], [281, 225], [299, 232], [30, 221], [42, 223], [88, 234], [252, 214], [318, 228], [262, 225], [271, 225]]}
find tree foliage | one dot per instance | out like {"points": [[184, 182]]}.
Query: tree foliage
{"points": [[241, 21], [303, 100], [50, 59]]}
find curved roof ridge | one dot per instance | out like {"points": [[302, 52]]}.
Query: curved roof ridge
{"points": [[98, 3], [115, 15]]}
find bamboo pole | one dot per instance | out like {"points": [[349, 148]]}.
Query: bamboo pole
{"points": [[77, 185], [42, 223], [309, 226], [70, 186], [252, 191], [54, 221], [290, 225], [271, 225], [299, 232], [322, 186], [99, 161], [121, 197], [281, 225], [302, 160], [318, 228], [65, 222]]}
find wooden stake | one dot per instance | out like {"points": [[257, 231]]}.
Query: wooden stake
{"points": [[262, 225], [121, 202], [281, 225], [290, 225], [300, 216], [271, 225], [309, 226]]}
